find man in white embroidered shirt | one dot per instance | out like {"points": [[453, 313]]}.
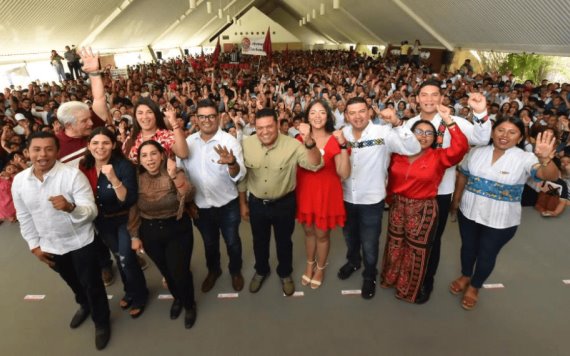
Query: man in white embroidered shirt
{"points": [[56, 208], [477, 133], [214, 166], [365, 189]]}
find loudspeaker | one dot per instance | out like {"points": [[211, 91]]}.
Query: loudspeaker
{"points": [[159, 54], [374, 50], [351, 48], [447, 57], [186, 52]]}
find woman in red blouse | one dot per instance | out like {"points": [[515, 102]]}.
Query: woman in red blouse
{"points": [[150, 125], [412, 188]]}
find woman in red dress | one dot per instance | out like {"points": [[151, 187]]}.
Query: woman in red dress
{"points": [[319, 194], [412, 188]]}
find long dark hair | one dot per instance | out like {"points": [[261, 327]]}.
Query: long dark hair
{"points": [[329, 124], [515, 121], [434, 143], [157, 114], [89, 161], [160, 149]]}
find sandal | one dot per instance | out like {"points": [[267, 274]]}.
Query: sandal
{"points": [[135, 312], [456, 287], [125, 303], [469, 302], [314, 283], [305, 280]]}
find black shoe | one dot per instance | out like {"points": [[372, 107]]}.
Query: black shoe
{"points": [[346, 271], [210, 281], [368, 289], [102, 337], [80, 315], [190, 316], [423, 296], [175, 309]]}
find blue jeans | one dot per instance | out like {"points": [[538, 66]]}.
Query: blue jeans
{"points": [[480, 246], [113, 232], [362, 230], [225, 219]]}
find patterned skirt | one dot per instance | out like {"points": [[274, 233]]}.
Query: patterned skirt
{"points": [[412, 224]]}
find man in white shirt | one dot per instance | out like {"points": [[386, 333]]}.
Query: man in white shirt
{"points": [[214, 167], [339, 121], [478, 133], [365, 189], [56, 208]]}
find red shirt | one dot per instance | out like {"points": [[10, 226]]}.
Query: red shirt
{"points": [[73, 148], [421, 178]]}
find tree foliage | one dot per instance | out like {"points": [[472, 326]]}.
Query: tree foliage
{"points": [[526, 66], [492, 61]]}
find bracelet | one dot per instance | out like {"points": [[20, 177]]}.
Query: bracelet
{"points": [[344, 146], [233, 163], [545, 164], [311, 146], [117, 186], [134, 238], [95, 74], [451, 124], [173, 178], [73, 206]]}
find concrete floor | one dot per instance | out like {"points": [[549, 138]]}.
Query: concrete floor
{"points": [[529, 316]]}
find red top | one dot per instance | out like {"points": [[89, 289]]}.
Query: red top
{"points": [[421, 178], [319, 194]]}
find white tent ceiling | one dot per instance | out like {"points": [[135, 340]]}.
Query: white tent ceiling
{"points": [[37, 26]]}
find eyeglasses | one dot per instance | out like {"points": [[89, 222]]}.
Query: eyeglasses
{"points": [[207, 117], [426, 133]]}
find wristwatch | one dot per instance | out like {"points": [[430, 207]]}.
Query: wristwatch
{"points": [[310, 146]]}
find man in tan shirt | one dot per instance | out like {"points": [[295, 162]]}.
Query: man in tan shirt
{"points": [[271, 161]]}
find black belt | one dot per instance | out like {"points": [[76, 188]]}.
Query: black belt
{"points": [[271, 201]]}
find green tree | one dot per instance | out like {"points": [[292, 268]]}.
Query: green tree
{"points": [[526, 66]]}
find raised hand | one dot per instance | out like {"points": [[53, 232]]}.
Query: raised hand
{"points": [[445, 114], [389, 115], [305, 131], [226, 157], [545, 147], [90, 60], [109, 172], [339, 136], [477, 102], [170, 114]]}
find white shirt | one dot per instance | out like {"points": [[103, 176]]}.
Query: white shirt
{"points": [[54, 231], [338, 119], [513, 168], [367, 181], [477, 135], [214, 185]]}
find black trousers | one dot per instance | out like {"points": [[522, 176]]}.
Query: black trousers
{"points": [[279, 214], [169, 243], [80, 270], [444, 203]]}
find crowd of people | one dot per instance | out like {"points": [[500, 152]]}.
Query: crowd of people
{"points": [[325, 138]]}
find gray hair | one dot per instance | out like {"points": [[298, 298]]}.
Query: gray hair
{"points": [[66, 111]]}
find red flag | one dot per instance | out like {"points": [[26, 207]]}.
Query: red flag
{"points": [[217, 51], [267, 45]]}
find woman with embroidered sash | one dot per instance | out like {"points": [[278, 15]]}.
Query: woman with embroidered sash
{"points": [[489, 190], [412, 187]]}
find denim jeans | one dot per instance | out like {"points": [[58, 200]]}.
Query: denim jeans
{"points": [[225, 219], [80, 270], [281, 216], [113, 232], [480, 246], [362, 230]]}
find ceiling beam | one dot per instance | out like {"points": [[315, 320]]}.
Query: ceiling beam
{"points": [[423, 24], [365, 28], [105, 23]]}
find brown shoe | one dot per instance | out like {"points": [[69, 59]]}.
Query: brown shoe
{"points": [[210, 281], [237, 281], [108, 276]]}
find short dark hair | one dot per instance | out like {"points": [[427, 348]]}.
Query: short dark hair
{"points": [[266, 112], [355, 100], [207, 103], [430, 82], [43, 134]]}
